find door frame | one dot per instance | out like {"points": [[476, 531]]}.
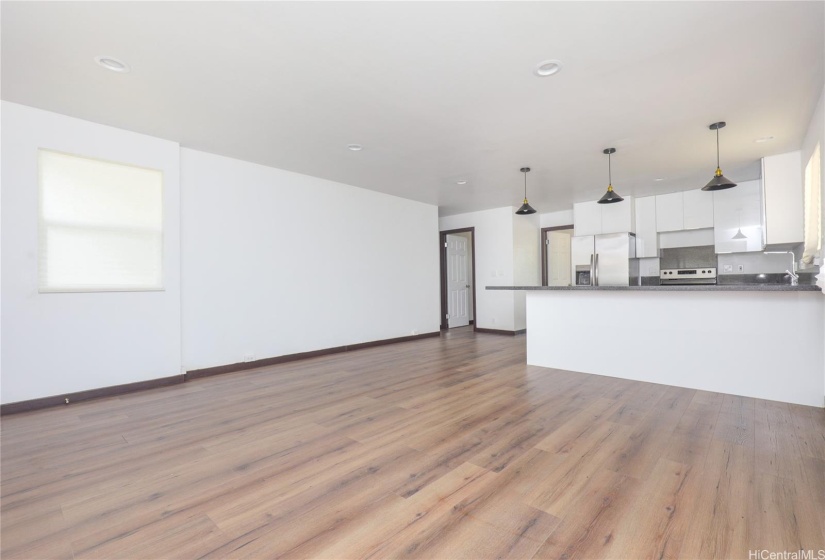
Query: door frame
{"points": [[442, 251], [543, 244]]}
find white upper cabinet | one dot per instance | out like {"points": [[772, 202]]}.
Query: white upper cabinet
{"points": [[619, 217], [698, 206], [647, 238], [670, 212], [587, 218], [684, 210], [592, 218], [739, 208], [783, 194]]}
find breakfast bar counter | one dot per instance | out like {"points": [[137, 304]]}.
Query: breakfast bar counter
{"points": [[756, 340], [672, 288]]}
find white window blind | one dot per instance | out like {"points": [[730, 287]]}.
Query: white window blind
{"points": [[813, 208], [101, 225]]}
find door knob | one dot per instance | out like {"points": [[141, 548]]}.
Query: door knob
{"points": [[467, 286]]}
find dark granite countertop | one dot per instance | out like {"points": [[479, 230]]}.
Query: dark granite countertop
{"points": [[765, 278], [694, 288]]}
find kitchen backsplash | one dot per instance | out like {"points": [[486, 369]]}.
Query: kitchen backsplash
{"points": [[725, 263], [687, 257], [753, 263], [756, 267]]}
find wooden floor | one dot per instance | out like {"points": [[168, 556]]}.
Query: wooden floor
{"points": [[445, 447]]}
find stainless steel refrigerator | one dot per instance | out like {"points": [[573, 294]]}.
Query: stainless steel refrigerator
{"points": [[604, 260]]}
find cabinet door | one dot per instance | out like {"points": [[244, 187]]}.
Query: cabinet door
{"points": [[670, 212], [587, 218], [783, 191], [739, 208], [647, 238], [698, 207], [618, 217]]}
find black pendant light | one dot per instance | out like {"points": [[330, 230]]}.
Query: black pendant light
{"points": [[719, 181], [525, 208], [611, 195]]}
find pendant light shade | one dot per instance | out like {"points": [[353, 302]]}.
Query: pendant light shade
{"points": [[611, 195], [525, 208], [719, 181]]}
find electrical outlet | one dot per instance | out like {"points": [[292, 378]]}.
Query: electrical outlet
{"points": [[249, 357], [740, 268], [727, 268]]}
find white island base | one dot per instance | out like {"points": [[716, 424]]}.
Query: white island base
{"points": [[764, 345]]}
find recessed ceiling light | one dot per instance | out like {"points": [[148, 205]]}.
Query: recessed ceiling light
{"points": [[659, 179], [547, 68], [462, 182], [112, 63], [764, 139], [355, 147]]}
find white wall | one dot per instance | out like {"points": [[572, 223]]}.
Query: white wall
{"points": [[277, 263], [814, 135], [494, 263], [58, 343]]}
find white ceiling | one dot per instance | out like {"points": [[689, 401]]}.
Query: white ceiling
{"points": [[438, 91]]}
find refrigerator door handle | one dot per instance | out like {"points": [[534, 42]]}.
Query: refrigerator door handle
{"points": [[591, 270], [597, 270]]}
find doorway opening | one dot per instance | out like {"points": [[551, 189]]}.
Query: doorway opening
{"points": [[556, 268], [458, 277]]}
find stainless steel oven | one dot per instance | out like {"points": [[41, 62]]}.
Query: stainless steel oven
{"points": [[687, 276]]}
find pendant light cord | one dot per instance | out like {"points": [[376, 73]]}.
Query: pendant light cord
{"points": [[609, 171], [717, 148], [525, 185]]}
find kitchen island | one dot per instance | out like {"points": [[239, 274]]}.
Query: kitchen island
{"points": [[756, 340]]}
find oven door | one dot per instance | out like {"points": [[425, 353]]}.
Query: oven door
{"points": [[688, 282]]}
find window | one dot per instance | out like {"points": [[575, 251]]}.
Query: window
{"points": [[101, 225], [813, 208]]}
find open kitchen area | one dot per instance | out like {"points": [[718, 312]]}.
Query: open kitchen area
{"points": [[751, 233], [653, 279]]}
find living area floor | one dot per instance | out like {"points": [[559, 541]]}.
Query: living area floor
{"points": [[446, 447]]}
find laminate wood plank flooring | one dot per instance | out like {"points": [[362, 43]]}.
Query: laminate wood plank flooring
{"points": [[439, 448]]}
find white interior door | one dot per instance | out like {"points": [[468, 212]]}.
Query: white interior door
{"points": [[558, 258], [458, 282]]}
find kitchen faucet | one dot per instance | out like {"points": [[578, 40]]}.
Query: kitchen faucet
{"points": [[792, 273]]}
